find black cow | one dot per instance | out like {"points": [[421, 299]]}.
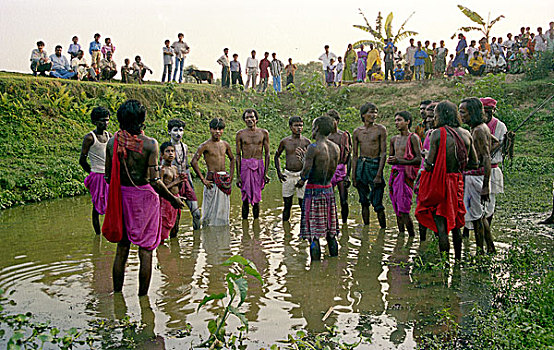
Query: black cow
{"points": [[200, 75]]}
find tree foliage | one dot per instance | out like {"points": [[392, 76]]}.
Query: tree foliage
{"points": [[377, 33], [484, 27]]}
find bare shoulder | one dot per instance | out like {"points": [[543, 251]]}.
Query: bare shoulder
{"points": [[149, 143], [381, 127], [239, 133], [357, 130], [88, 137], [305, 140], [265, 132]]}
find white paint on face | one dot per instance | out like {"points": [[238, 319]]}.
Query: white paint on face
{"points": [[176, 134]]}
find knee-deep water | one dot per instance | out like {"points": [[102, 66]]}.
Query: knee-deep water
{"points": [[58, 269]]}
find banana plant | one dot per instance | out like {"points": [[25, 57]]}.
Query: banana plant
{"points": [[485, 27], [377, 33]]}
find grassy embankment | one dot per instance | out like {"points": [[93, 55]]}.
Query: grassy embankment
{"points": [[43, 121]]}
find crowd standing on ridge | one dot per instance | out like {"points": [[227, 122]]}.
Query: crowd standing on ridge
{"points": [[422, 60], [453, 172]]}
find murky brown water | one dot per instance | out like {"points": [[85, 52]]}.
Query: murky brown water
{"points": [[60, 271]]}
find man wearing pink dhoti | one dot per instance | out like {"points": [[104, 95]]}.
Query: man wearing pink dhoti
{"points": [[133, 211], [405, 157], [252, 144], [94, 149]]}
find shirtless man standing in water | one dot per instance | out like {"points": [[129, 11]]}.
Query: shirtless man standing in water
{"points": [[293, 166], [252, 144], [369, 155]]}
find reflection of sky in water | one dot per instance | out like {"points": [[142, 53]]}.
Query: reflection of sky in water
{"points": [[61, 272]]}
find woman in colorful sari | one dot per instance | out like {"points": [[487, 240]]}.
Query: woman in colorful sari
{"points": [[350, 67], [461, 52], [362, 64]]}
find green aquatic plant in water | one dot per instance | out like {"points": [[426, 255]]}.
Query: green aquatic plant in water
{"points": [[237, 286]]}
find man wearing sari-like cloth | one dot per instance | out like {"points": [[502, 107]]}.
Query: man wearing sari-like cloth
{"points": [[405, 158], [362, 65], [140, 186], [350, 67]]}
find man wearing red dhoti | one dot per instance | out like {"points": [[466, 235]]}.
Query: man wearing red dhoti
{"points": [[441, 193]]}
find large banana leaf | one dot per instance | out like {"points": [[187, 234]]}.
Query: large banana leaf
{"points": [[357, 44], [388, 25], [495, 20], [472, 15], [367, 29], [404, 24], [379, 24], [404, 35]]}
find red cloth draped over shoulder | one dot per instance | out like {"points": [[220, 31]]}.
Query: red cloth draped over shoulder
{"points": [[112, 228], [441, 193]]}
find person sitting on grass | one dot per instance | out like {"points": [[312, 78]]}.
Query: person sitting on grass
{"points": [[139, 70], [80, 66], [126, 74], [40, 63], [319, 215], [476, 65], [460, 71], [108, 68], [60, 65], [398, 72]]}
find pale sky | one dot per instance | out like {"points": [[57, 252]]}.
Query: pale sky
{"points": [[298, 29]]}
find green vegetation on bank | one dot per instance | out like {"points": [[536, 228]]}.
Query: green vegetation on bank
{"points": [[43, 121]]}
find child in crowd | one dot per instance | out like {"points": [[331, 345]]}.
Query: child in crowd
{"points": [[408, 74], [460, 71], [216, 204], [94, 149], [126, 71], [319, 215], [330, 78], [293, 166], [171, 180], [74, 48], [340, 70], [450, 67], [377, 76], [107, 47], [398, 72], [168, 53]]}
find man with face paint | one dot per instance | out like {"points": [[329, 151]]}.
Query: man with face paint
{"points": [[175, 128]]}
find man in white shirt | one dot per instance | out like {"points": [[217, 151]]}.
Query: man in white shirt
{"points": [[181, 50], [251, 70], [80, 66], [550, 37], [225, 67], [325, 59], [60, 65], [410, 55], [540, 42], [496, 63]]}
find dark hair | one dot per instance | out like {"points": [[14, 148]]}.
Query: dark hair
{"points": [[167, 41], [126, 60], [250, 110], [235, 55], [175, 123], [96, 35], [253, 51], [425, 102], [164, 146], [106, 40], [137, 57], [333, 113], [447, 115], [366, 107], [326, 46], [217, 123], [99, 112], [226, 49], [74, 37], [325, 124], [180, 34], [407, 117], [58, 47], [131, 115], [295, 119], [40, 43], [475, 109]]}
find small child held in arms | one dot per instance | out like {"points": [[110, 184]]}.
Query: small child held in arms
{"points": [[460, 71], [171, 180], [331, 73], [94, 150]]}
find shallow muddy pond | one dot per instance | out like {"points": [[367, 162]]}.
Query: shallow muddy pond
{"points": [[60, 271]]}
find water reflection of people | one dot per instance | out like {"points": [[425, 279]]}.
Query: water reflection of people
{"points": [[101, 278], [177, 262], [147, 338]]}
